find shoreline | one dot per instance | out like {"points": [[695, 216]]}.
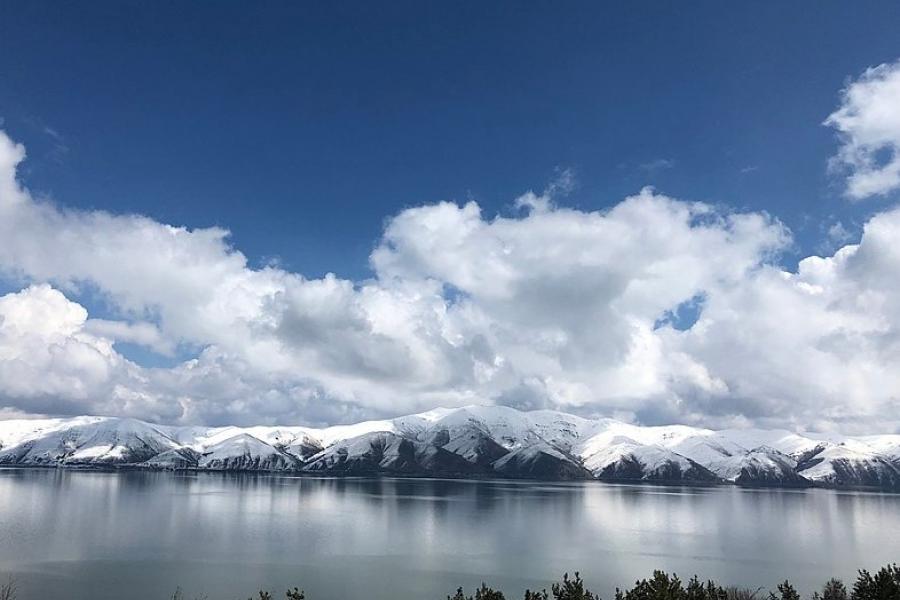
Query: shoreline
{"points": [[298, 474]]}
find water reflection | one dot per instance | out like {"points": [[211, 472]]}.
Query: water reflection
{"points": [[136, 534]]}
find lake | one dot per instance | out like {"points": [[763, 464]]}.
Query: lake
{"points": [[138, 535]]}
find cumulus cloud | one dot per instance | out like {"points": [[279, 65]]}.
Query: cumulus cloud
{"points": [[815, 348], [463, 308], [138, 332], [552, 307], [868, 123], [44, 351], [567, 301]]}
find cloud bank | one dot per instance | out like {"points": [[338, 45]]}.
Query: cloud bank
{"points": [[654, 310]]}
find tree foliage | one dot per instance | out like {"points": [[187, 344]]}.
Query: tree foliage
{"points": [[572, 589], [482, 593], [294, 594], [785, 592], [8, 590], [834, 589], [884, 585], [662, 586]]}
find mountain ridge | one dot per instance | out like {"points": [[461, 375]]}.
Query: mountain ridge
{"points": [[471, 441]]}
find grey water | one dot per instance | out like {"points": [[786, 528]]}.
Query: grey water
{"points": [[139, 535]]}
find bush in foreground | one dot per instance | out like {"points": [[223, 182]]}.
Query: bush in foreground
{"points": [[883, 585]]}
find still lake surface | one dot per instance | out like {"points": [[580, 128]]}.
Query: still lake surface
{"points": [[138, 535]]}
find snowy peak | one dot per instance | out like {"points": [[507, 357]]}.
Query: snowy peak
{"points": [[81, 441], [852, 464], [540, 460], [467, 442], [386, 452], [244, 452], [622, 458], [760, 466]]}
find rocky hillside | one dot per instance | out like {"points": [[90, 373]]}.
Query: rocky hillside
{"points": [[474, 441]]}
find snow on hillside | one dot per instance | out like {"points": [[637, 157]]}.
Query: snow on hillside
{"points": [[761, 465], [83, 440], [244, 452], [850, 463], [621, 457], [885, 445], [472, 440], [540, 460], [786, 442], [382, 451]]}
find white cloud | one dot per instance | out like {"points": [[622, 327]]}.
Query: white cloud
{"points": [[552, 307], [567, 300], [44, 351], [868, 123], [462, 309], [138, 332], [811, 348]]}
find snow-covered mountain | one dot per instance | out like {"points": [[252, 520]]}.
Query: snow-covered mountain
{"points": [[387, 452], [243, 452], [473, 441], [621, 457], [81, 440], [540, 460]]}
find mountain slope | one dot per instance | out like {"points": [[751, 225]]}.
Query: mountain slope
{"points": [[244, 452], [623, 458], [760, 466], [386, 452], [842, 465], [83, 441], [540, 460], [468, 441]]}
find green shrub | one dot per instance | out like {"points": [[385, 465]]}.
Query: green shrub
{"points": [[482, 593], [664, 587], [884, 585], [833, 589], [785, 592], [294, 594]]}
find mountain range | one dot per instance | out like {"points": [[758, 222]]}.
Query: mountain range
{"points": [[473, 441]]}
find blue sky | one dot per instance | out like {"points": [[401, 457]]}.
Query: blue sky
{"points": [[324, 136], [302, 126]]}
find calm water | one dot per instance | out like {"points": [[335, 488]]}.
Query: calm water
{"points": [[138, 535]]}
